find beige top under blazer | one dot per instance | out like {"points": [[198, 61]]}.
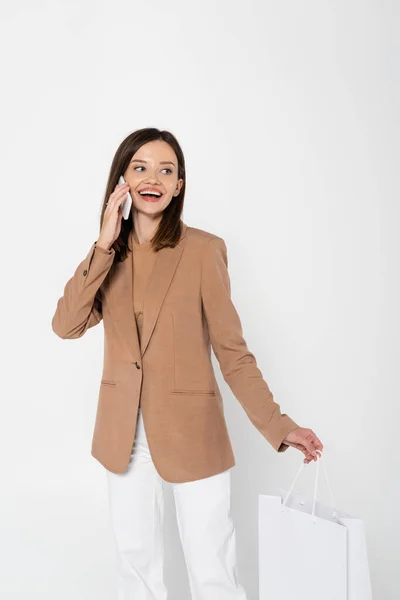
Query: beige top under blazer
{"points": [[143, 259], [187, 309]]}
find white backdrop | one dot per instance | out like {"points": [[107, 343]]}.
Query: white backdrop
{"points": [[286, 112]]}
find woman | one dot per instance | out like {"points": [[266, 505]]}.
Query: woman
{"points": [[162, 290]]}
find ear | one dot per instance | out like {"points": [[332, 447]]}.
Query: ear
{"points": [[178, 187]]}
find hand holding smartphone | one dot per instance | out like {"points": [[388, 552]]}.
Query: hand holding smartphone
{"points": [[126, 206], [119, 202]]}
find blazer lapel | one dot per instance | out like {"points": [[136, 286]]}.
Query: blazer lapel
{"points": [[121, 299], [160, 279]]}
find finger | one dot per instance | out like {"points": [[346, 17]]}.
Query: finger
{"points": [[121, 199], [310, 447], [309, 458], [117, 200], [306, 453], [120, 186], [318, 445], [118, 192]]}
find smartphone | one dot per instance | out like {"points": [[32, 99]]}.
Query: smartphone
{"points": [[126, 205]]}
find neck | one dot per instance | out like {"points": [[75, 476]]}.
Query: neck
{"points": [[144, 226]]}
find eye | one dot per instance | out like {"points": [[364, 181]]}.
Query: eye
{"points": [[166, 169]]}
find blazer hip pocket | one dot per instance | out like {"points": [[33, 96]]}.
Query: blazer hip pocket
{"points": [[194, 392]]}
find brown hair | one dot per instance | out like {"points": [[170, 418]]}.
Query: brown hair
{"points": [[169, 230]]}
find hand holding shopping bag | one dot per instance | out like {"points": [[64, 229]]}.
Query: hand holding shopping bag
{"points": [[310, 551]]}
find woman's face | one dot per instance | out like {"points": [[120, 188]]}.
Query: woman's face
{"points": [[153, 167]]}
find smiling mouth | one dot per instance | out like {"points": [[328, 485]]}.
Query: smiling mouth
{"points": [[150, 197]]}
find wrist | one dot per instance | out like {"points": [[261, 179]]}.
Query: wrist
{"points": [[103, 245]]}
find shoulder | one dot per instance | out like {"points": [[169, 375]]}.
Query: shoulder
{"points": [[206, 247], [201, 238]]}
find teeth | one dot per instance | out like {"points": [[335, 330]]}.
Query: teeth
{"points": [[150, 192]]}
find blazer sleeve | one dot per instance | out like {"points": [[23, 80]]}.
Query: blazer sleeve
{"points": [[238, 364], [80, 306]]}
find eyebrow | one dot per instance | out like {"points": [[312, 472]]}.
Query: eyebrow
{"points": [[163, 162]]}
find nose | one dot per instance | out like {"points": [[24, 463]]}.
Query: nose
{"points": [[152, 177]]}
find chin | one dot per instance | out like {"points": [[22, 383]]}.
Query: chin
{"points": [[154, 207]]}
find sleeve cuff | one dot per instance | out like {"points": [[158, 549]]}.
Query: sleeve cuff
{"points": [[103, 250], [290, 425]]}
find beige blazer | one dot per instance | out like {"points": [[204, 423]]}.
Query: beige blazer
{"points": [[187, 309]]}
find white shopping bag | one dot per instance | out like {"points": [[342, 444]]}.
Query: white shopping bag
{"points": [[358, 576], [310, 551]]}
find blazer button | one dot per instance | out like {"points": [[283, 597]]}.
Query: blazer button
{"points": [[137, 365], [85, 272]]}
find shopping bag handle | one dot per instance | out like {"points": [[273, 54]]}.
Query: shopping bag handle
{"points": [[315, 485]]}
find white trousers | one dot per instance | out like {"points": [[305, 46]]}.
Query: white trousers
{"points": [[206, 530]]}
